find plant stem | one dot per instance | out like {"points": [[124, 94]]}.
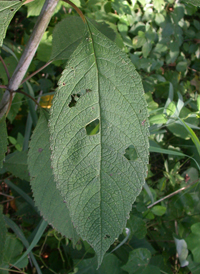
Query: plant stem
{"points": [[29, 52], [172, 194], [77, 9]]}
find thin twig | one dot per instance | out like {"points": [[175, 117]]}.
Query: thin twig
{"points": [[11, 270], [172, 194], [77, 9], [6, 195], [35, 72], [3, 86], [26, 94], [5, 67]]}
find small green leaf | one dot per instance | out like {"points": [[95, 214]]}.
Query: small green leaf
{"points": [[12, 251], [45, 46], [182, 66], [158, 210], [193, 242], [47, 197], [3, 231], [138, 260], [7, 11], [35, 7], [139, 41], [16, 163], [146, 48], [137, 226], [97, 181], [3, 140]]}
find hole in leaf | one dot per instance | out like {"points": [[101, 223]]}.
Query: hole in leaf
{"points": [[107, 236], [131, 153], [76, 97], [93, 127]]}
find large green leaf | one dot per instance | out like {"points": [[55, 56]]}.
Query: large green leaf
{"points": [[110, 264], [66, 37], [47, 197], [3, 231], [16, 163], [3, 140], [7, 11], [68, 34], [95, 178]]}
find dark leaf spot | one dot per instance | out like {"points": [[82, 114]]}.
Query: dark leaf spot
{"points": [[143, 122], [107, 236], [40, 149]]}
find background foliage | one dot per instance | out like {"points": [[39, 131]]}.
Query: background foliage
{"points": [[162, 40]]}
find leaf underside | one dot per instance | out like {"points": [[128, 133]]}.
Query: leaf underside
{"points": [[66, 37], [7, 11], [47, 197], [97, 181]]}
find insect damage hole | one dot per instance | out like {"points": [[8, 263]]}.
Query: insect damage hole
{"points": [[93, 127], [131, 153], [76, 97]]}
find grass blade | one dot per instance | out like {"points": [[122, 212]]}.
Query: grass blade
{"points": [[21, 236], [42, 227], [171, 152]]}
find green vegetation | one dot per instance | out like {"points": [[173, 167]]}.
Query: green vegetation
{"points": [[104, 178]]}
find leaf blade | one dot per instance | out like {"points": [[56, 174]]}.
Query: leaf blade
{"points": [[47, 198], [96, 75], [7, 11]]}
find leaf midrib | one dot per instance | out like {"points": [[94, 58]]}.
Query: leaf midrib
{"points": [[100, 128]]}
